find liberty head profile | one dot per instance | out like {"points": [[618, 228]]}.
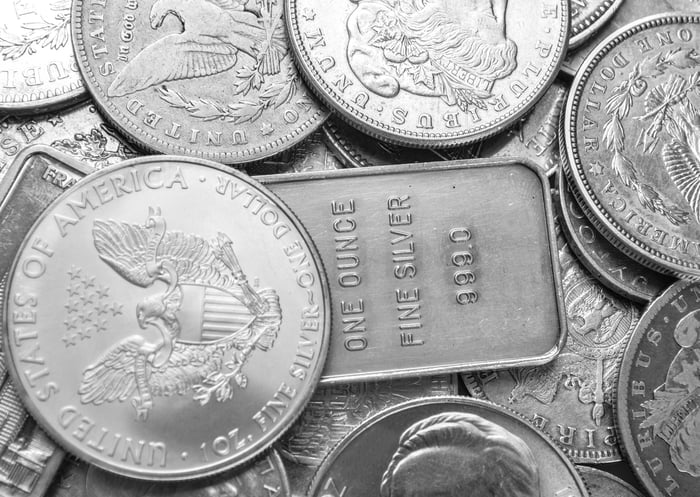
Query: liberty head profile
{"points": [[457, 455]]}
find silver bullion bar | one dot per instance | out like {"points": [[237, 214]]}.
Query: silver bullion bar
{"points": [[28, 458], [433, 268]]}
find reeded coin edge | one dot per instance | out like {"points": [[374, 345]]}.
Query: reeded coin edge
{"points": [[212, 468], [621, 413], [588, 26], [590, 204], [149, 142], [423, 401], [587, 260], [392, 134]]}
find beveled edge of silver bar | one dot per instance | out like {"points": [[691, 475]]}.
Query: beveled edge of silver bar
{"points": [[16, 167], [427, 167]]}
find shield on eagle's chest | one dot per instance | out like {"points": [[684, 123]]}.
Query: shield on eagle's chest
{"points": [[207, 314]]}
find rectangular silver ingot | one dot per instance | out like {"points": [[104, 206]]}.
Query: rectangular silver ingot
{"points": [[433, 268], [28, 458]]}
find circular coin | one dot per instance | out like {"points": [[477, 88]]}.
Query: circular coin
{"points": [[589, 17], [432, 73], [571, 398], [629, 12], [609, 266], [211, 79], [444, 446], [37, 65], [657, 402], [603, 484], [169, 320], [632, 138]]}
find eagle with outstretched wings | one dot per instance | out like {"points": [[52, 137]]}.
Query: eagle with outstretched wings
{"points": [[214, 34], [139, 368]]}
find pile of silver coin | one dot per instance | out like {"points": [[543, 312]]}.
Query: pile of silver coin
{"points": [[350, 248]]}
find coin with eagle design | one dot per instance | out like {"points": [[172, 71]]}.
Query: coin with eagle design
{"points": [[168, 319]]}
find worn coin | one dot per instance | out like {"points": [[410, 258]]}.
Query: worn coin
{"points": [[571, 398], [334, 410], [603, 484], [611, 267], [657, 404], [356, 149], [37, 67], [430, 73], [264, 478], [310, 155], [629, 12], [165, 311], [536, 136], [587, 17], [632, 138], [444, 446], [211, 79], [70, 481], [78, 131]]}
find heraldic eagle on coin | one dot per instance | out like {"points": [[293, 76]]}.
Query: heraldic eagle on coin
{"points": [[140, 369], [215, 33]]}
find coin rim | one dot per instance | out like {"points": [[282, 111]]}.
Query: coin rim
{"points": [[144, 139], [392, 134], [623, 428], [226, 463], [583, 470], [587, 198], [449, 400], [589, 26]]}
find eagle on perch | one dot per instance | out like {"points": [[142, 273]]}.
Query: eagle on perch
{"points": [[140, 369]]}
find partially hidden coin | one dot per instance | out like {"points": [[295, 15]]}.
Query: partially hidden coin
{"points": [[356, 149], [70, 481], [631, 132], [37, 66], [169, 319], [536, 136], [212, 79], [431, 73], [78, 131], [312, 154], [264, 478], [334, 410], [628, 12], [604, 484], [571, 399], [444, 446], [657, 402], [587, 17], [608, 264]]}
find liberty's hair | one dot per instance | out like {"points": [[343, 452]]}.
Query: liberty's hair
{"points": [[484, 459]]}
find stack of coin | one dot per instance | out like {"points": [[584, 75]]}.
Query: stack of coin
{"points": [[392, 247]]}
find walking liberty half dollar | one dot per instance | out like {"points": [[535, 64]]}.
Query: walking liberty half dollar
{"points": [[446, 446], [659, 394], [168, 319], [206, 78], [632, 138], [429, 73]]}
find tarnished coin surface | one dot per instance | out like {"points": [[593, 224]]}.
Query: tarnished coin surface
{"points": [[429, 73], [188, 318], [587, 17], [70, 481], [265, 478], [356, 149], [211, 79], [37, 67], [608, 264], [658, 394], [629, 12], [334, 410], [444, 446], [536, 136], [603, 484], [78, 131], [571, 398], [632, 138]]}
